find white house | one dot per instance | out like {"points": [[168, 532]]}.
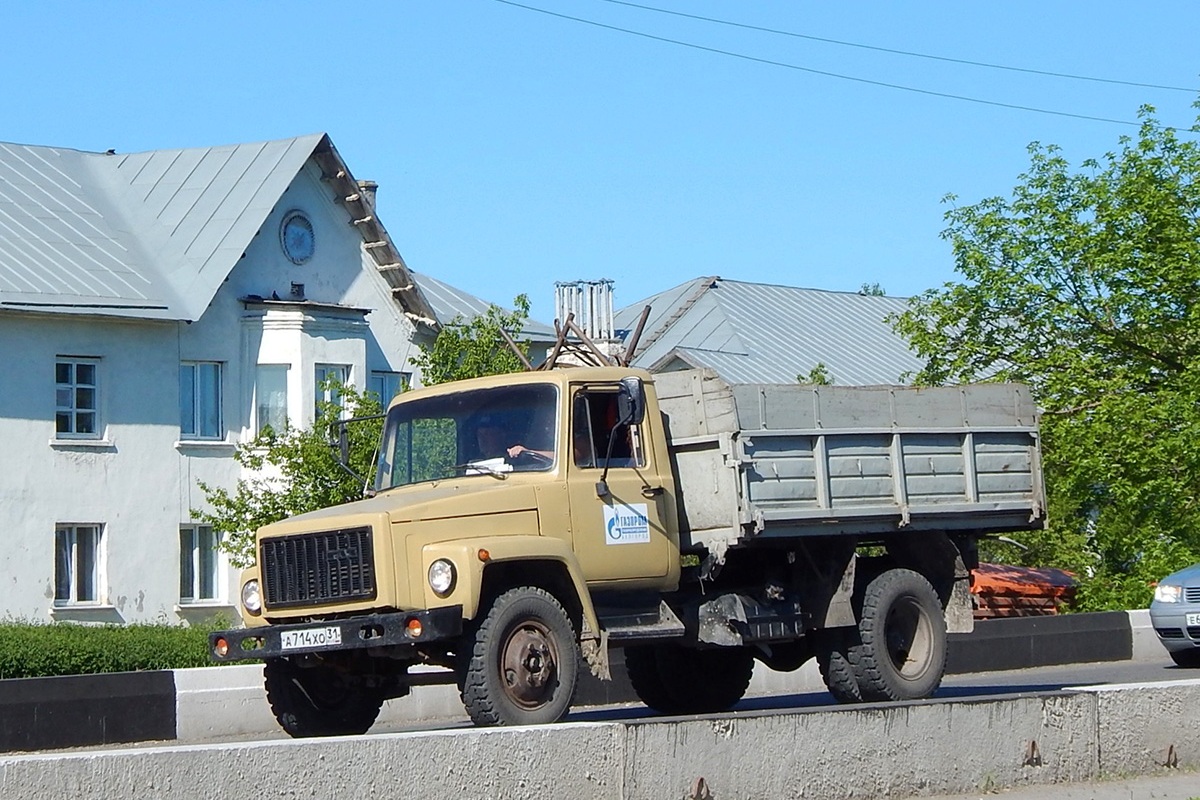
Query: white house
{"points": [[156, 309]]}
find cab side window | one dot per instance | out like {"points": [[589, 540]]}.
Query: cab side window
{"points": [[594, 419]]}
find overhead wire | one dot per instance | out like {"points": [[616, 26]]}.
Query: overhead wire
{"points": [[908, 53], [827, 74]]}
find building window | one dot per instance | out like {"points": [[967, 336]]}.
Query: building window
{"points": [[328, 378], [387, 385], [75, 398], [199, 563], [270, 397], [200, 400], [76, 564]]}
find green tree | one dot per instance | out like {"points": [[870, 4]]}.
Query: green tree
{"points": [[1085, 283], [294, 471], [471, 349], [818, 375], [871, 290]]}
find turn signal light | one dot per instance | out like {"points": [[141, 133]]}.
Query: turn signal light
{"points": [[221, 647], [414, 629], [484, 555]]}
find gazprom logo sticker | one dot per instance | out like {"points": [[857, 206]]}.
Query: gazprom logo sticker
{"points": [[626, 524]]}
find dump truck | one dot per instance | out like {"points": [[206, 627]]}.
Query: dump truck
{"points": [[523, 528]]}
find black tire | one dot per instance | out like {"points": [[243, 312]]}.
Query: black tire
{"points": [[1186, 658], [901, 654], [318, 701], [833, 648], [677, 680], [520, 664], [641, 664]]}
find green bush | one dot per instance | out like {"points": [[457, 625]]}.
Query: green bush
{"points": [[34, 650]]}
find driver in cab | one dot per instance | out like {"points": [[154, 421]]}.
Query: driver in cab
{"points": [[493, 439]]}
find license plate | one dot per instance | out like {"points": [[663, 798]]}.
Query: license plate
{"points": [[1193, 619], [311, 637]]}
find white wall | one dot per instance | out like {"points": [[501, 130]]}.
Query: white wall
{"points": [[138, 479]]}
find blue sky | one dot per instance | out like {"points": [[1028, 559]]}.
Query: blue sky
{"points": [[514, 148]]}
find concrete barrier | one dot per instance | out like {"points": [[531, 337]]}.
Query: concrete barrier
{"points": [[873, 751], [1023, 642], [76, 710]]}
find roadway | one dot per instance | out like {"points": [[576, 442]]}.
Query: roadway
{"points": [[976, 685]]}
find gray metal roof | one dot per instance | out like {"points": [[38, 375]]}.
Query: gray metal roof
{"points": [[154, 234], [449, 302], [760, 333]]}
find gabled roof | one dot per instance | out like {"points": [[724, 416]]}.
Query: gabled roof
{"points": [[449, 302], [760, 333], [154, 234]]}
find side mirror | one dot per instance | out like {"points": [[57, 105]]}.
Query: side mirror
{"points": [[631, 401]]}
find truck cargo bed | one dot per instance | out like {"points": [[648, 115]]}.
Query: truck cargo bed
{"points": [[777, 460]]}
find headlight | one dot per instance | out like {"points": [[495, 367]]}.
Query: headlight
{"points": [[1167, 593], [441, 577], [252, 597]]}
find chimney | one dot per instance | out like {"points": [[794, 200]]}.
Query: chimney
{"points": [[592, 304], [368, 190]]}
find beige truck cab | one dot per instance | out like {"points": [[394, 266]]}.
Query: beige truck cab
{"points": [[522, 525]]}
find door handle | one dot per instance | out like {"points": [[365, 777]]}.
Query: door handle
{"points": [[651, 491]]}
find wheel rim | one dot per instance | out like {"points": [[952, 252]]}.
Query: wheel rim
{"points": [[528, 665], [909, 638]]}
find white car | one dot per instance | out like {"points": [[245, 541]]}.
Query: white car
{"points": [[1175, 614]]}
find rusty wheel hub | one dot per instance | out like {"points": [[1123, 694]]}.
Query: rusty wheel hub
{"points": [[528, 664]]}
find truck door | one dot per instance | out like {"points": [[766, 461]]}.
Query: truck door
{"points": [[619, 536]]}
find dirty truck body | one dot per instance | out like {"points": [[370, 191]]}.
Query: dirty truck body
{"points": [[523, 525]]}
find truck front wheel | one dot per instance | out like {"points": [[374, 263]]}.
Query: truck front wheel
{"points": [[318, 701], [902, 629], [679, 680], [520, 664]]}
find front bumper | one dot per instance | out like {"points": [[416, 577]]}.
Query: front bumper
{"points": [[353, 633], [1170, 621]]}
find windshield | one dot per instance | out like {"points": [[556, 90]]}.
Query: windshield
{"points": [[484, 432]]}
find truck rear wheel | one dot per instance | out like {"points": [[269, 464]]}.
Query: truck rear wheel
{"points": [[834, 660], [318, 701], [678, 680], [521, 662], [902, 629]]}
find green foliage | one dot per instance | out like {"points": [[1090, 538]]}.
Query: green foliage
{"points": [[294, 471], [476, 348], [32, 650], [1086, 284], [818, 375], [871, 290]]}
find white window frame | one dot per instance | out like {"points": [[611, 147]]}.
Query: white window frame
{"points": [[68, 393], [261, 419], [79, 539], [192, 550], [198, 401], [322, 395]]}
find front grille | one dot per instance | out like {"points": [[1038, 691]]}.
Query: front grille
{"points": [[311, 569], [1191, 594], [1194, 632], [1170, 633]]}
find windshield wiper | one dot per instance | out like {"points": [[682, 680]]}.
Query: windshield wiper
{"points": [[482, 468]]}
